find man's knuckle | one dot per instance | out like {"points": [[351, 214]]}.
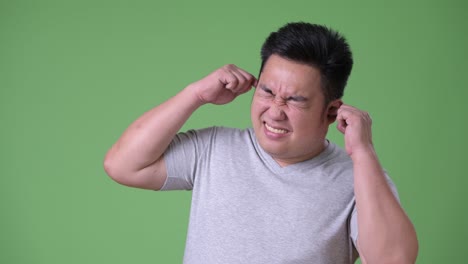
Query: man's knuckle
{"points": [[230, 66]]}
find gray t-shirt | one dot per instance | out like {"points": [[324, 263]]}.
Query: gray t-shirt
{"points": [[248, 209]]}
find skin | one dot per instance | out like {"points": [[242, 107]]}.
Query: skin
{"points": [[386, 234], [289, 99], [136, 159]]}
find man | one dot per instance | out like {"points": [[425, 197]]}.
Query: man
{"points": [[278, 192]]}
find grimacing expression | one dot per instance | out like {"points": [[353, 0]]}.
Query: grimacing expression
{"points": [[288, 111]]}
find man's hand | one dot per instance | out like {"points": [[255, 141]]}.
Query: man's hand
{"points": [[356, 127], [385, 233], [223, 85]]}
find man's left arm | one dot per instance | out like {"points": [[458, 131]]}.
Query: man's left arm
{"points": [[385, 233]]}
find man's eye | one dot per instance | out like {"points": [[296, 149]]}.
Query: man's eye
{"points": [[269, 91], [296, 99]]}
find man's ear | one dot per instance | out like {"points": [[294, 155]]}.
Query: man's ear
{"points": [[332, 110]]}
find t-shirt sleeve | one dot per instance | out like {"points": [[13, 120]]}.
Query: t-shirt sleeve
{"points": [[353, 223], [182, 158]]}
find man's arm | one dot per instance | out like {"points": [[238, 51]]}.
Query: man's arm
{"points": [[385, 234], [137, 159]]}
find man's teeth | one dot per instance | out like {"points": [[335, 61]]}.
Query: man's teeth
{"points": [[275, 130]]}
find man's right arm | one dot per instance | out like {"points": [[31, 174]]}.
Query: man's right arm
{"points": [[137, 159]]}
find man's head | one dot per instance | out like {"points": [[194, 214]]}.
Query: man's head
{"points": [[304, 70], [317, 46]]}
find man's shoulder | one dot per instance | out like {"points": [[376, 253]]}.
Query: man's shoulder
{"points": [[222, 131], [337, 157], [218, 135]]}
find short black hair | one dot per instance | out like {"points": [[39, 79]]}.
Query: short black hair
{"points": [[317, 46]]}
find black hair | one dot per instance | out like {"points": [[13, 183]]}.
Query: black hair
{"points": [[317, 46]]}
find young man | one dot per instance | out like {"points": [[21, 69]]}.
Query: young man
{"points": [[278, 192]]}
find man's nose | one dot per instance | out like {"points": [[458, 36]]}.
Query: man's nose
{"points": [[276, 111]]}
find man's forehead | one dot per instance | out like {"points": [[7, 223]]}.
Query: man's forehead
{"points": [[304, 89], [284, 73]]}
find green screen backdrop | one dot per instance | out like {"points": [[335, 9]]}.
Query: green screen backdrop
{"points": [[75, 74]]}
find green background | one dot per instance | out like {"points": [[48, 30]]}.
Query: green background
{"points": [[74, 75]]}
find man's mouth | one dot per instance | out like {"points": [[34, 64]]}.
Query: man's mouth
{"points": [[276, 130]]}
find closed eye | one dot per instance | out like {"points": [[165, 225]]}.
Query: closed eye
{"points": [[297, 99], [266, 90]]}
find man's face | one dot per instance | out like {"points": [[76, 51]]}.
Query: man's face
{"points": [[288, 113]]}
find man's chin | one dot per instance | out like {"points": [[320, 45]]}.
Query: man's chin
{"points": [[272, 150]]}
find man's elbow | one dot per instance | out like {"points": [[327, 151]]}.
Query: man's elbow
{"points": [[401, 259], [392, 259], [409, 254], [409, 251], [113, 171], [118, 174], [406, 255], [404, 252], [151, 177]]}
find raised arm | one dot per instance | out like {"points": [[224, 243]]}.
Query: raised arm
{"points": [[137, 159], [386, 234]]}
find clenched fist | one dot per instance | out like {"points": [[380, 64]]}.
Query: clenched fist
{"points": [[355, 124], [223, 85]]}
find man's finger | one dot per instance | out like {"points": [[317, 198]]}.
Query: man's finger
{"points": [[229, 80], [255, 84], [341, 124], [250, 80], [241, 81]]}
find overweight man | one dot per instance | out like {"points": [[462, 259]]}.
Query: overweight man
{"points": [[278, 192]]}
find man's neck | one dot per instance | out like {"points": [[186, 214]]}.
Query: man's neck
{"points": [[284, 162]]}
